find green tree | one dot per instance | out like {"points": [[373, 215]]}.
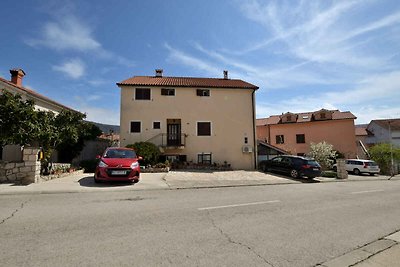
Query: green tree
{"points": [[21, 124], [17, 120], [381, 154], [323, 153], [149, 151]]}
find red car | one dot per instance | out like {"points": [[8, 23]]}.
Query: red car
{"points": [[118, 164]]}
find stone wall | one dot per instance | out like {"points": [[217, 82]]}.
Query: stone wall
{"points": [[341, 169], [25, 172]]}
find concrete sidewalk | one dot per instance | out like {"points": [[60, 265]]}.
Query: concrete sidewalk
{"points": [[384, 252], [83, 182]]}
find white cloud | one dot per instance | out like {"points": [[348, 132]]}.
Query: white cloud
{"points": [[73, 68], [188, 60], [95, 113], [68, 33]]}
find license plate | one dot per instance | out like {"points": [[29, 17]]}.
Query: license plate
{"points": [[118, 172], [316, 169]]}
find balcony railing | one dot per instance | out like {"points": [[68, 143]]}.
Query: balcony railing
{"points": [[169, 141]]}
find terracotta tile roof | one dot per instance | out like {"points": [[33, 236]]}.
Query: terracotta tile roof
{"points": [[394, 123], [361, 131], [270, 120], [306, 117], [34, 94], [187, 82]]}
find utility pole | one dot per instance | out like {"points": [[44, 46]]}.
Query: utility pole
{"points": [[391, 152]]}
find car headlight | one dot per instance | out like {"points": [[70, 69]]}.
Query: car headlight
{"points": [[134, 165], [102, 164]]}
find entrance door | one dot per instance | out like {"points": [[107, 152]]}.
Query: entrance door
{"points": [[174, 134]]}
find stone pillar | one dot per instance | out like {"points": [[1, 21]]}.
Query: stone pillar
{"points": [[32, 165], [341, 169]]}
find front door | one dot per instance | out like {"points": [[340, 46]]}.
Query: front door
{"points": [[174, 134]]}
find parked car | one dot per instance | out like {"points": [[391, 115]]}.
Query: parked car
{"points": [[359, 166], [295, 166], [118, 164]]}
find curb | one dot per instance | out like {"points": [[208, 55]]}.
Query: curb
{"points": [[365, 252]]}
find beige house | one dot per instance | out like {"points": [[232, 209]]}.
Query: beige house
{"points": [[198, 120]]}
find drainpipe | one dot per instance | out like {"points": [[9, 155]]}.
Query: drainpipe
{"points": [[254, 128]]}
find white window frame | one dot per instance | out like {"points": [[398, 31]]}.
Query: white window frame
{"points": [[202, 154], [153, 125], [168, 89], [130, 128], [197, 129]]}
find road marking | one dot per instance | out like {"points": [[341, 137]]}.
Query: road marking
{"points": [[364, 192], [240, 205]]}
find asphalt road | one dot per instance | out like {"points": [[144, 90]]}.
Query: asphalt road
{"points": [[274, 225]]}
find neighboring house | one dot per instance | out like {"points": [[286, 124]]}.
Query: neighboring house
{"points": [[293, 132], [361, 139], [198, 120], [41, 102], [14, 86], [384, 131]]}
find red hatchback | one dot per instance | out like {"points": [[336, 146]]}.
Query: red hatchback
{"points": [[118, 164]]}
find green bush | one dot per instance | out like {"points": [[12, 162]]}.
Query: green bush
{"points": [[89, 165], [148, 151], [329, 174]]}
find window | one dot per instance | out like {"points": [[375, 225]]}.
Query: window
{"points": [[322, 116], [203, 92], [300, 138], [135, 126], [289, 118], [166, 91], [280, 139], [204, 158], [142, 94], [156, 125], [203, 128]]}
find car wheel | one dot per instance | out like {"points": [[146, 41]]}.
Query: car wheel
{"points": [[264, 168], [372, 174], [97, 181], [356, 171], [334, 168], [294, 173], [135, 181]]}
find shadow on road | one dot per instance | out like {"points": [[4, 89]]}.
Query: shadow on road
{"points": [[89, 182], [300, 179]]}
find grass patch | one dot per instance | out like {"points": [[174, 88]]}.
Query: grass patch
{"points": [[329, 174]]}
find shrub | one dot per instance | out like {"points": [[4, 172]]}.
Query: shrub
{"points": [[89, 165], [381, 154], [329, 174], [147, 150], [323, 153]]}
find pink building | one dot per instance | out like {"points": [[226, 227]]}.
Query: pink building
{"points": [[293, 132]]}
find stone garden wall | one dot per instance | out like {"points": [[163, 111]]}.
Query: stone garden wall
{"points": [[25, 172]]}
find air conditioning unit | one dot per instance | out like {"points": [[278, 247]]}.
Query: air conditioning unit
{"points": [[247, 149]]}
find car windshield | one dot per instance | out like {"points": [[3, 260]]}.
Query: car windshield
{"points": [[117, 153]]}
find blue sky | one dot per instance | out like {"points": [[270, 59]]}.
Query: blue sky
{"points": [[304, 55]]}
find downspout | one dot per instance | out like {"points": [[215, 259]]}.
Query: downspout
{"points": [[254, 129]]}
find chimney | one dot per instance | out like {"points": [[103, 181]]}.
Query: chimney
{"points": [[159, 72], [16, 76], [225, 74]]}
